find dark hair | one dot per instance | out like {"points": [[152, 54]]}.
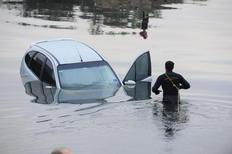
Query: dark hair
{"points": [[56, 152], [169, 65], [60, 150]]}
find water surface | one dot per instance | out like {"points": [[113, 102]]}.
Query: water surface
{"points": [[196, 34]]}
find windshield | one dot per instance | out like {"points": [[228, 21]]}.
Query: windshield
{"points": [[87, 75]]}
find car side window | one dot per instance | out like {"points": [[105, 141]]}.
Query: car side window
{"points": [[36, 64], [140, 69], [48, 73], [28, 57]]}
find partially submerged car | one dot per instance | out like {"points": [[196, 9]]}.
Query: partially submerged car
{"points": [[72, 66], [45, 94]]}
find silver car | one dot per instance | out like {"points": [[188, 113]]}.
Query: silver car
{"points": [[74, 68]]}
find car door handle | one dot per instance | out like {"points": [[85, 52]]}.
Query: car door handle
{"points": [[48, 87]]}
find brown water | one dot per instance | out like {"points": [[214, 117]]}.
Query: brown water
{"points": [[196, 34]]}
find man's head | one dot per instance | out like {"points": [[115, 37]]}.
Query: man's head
{"points": [[62, 151], [169, 65]]}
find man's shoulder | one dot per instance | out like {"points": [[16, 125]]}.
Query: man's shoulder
{"points": [[162, 75], [170, 74], [176, 74]]}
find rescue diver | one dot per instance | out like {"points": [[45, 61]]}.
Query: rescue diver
{"points": [[171, 83]]}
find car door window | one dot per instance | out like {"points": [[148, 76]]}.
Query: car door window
{"points": [[37, 63], [48, 73], [28, 57], [140, 69], [141, 91]]}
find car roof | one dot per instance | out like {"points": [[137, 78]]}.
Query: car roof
{"points": [[67, 51]]}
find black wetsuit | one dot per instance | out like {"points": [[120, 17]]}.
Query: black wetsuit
{"points": [[170, 92], [145, 21]]}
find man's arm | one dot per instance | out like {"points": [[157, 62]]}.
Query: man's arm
{"points": [[184, 83], [156, 86]]}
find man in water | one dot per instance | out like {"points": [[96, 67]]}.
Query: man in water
{"points": [[171, 83], [62, 151], [144, 25]]}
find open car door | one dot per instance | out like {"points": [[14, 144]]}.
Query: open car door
{"points": [[140, 69], [140, 91]]}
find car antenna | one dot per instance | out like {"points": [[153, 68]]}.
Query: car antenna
{"points": [[79, 55]]}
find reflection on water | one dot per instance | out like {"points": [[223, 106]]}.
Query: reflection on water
{"points": [[44, 93], [46, 26], [172, 121], [87, 101], [140, 91], [134, 126], [84, 103], [47, 94], [100, 13]]}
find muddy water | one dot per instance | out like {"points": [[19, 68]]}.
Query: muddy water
{"points": [[195, 34]]}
